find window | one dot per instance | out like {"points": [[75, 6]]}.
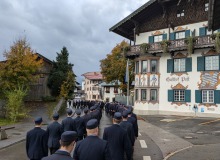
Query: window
{"points": [[207, 96], [107, 90], [93, 96], [115, 89], [136, 94], [179, 95], [212, 63], [208, 32], [207, 7], [153, 94], [94, 88], [180, 13], [153, 66], [180, 65], [107, 99], [158, 38], [143, 94], [137, 67], [180, 35], [144, 67]]}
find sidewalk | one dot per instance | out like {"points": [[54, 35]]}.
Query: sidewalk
{"points": [[18, 133]]}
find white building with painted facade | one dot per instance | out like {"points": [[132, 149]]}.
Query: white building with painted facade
{"points": [[177, 64]]}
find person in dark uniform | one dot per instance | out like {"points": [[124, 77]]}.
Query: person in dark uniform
{"points": [[80, 126], [86, 117], [54, 131], [133, 121], [68, 124], [36, 141], [92, 147], [127, 126], [67, 142], [118, 140]]}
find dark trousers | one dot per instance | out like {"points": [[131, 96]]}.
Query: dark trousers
{"points": [[53, 150]]}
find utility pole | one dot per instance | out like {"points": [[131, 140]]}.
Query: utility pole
{"points": [[127, 77]]}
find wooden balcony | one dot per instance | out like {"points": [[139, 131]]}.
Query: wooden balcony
{"points": [[175, 45]]}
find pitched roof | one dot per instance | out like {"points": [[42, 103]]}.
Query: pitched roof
{"points": [[93, 75]]}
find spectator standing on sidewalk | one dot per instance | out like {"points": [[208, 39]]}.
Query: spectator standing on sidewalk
{"points": [[67, 142], [68, 124], [118, 140], [36, 141], [92, 147], [54, 131]]}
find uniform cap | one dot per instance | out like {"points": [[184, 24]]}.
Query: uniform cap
{"points": [[78, 112], [69, 111], [38, 120], [68, 136], [117, 116], [92, 108], [125, 114], [86, 110], [92, 123], [55, 116]]}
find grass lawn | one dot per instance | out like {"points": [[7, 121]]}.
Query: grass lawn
{"points": [[4, 122]]}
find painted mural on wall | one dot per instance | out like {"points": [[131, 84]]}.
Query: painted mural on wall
{"points": [[141, 80], [209, 80], [154, 80]]}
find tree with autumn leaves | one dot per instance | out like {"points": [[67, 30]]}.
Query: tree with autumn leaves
{"points": [[16, 74], [113, 67]]}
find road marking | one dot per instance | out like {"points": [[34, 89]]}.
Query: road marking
{"points": [[139, 134], [146, 158], [143, 144], [209, 122]]}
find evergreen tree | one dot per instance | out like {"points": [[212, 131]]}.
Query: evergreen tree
{"points": [[59, 73]]}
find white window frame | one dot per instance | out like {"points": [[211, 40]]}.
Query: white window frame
{"points": [[179, 95], [211, 64], [158, 38], [153, 91], [208, 96], [181, 13], [142, 62], [179, 65], [180, 35], [152, 66], [206, 7], [208, 32]]}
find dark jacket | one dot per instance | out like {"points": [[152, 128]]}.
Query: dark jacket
{"points": [[36, 143], [92, 147], [127, 126], [68, 124], [86, 118], [133, 121], [59, 155], [54, 131], [119, 142], [80, 127]]}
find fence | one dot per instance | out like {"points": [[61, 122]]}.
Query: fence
{"points": [[123, 99]]}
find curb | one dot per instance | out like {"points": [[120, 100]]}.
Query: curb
{"points": [[171, 154], [19, 141]]}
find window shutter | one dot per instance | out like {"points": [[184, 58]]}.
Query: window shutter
{"points": [[151, 39], [164, 36], [217, 96], [187, 95], [170, 96], [202, 31], [198, 95], [172, 36], [170, 66], [201, 63], [187, 33], [189, 64]]}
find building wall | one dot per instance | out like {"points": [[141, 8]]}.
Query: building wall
{"points": [[90, 93], [111, 94], [192, 80]]}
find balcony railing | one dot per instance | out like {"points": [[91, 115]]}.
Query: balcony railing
{"points": [[175, 45]]}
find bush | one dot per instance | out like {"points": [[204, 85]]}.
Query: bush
{"points": [[15, 104]]}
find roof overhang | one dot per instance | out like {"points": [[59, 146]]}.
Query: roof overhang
{"points": [[214, 15]]}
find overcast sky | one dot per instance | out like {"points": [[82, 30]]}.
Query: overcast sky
{"points": [[80, 25]]}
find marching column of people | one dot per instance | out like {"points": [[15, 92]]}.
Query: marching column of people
{"points": [[118, 139]]}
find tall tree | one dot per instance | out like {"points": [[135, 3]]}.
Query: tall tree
{"points": [[113, 67], [59, 72], [20, 65]]}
